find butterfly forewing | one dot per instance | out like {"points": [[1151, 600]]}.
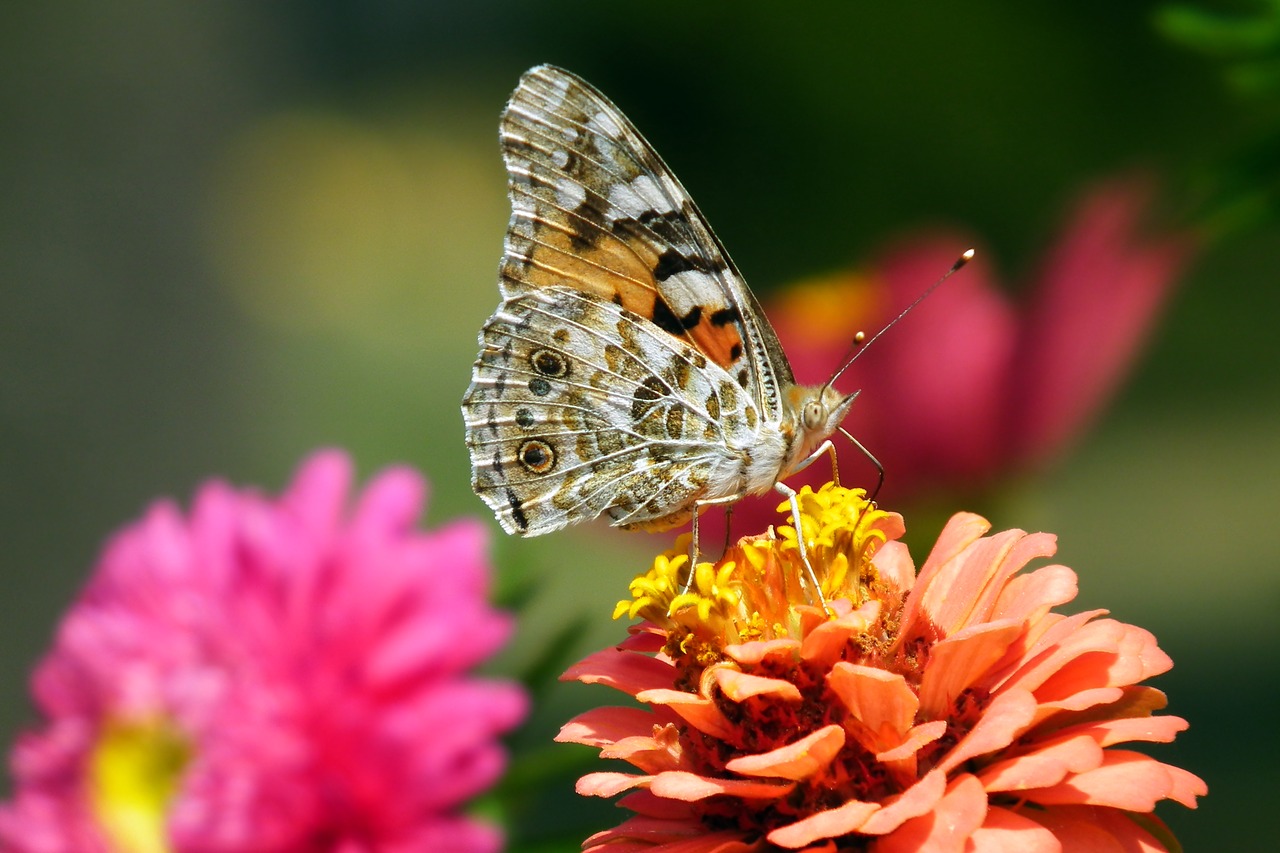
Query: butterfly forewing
{"points": [[593, 204]]}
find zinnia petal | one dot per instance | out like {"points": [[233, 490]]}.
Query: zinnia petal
{"points": [[1005, 831], [881, 702], [958, 661], [798, 760], [622, 671], [1126, 780], [681, 785], [601, 726], [920, 799], [1043, 767], [1097, 829], [833, 823], [948, 827], [740, 686], [1008, 715], [698, 711]]}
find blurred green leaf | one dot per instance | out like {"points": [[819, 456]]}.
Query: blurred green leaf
{"points": [[1242, 189], [1228, 36], [530, 770], [1248, 43], [537, 801], [543, 672]]}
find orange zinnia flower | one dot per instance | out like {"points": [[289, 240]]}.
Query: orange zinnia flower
{"points": [[946, 710]]}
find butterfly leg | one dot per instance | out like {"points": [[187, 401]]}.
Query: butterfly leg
{"points": [[693, 538], [825, 447], [874, 461], [728, 527], [790, 494]]}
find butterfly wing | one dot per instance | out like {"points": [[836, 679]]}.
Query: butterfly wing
{"points": [[629, 371], [577, 408], [595, 209]]}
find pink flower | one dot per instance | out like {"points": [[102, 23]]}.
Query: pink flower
{"points": [[949, 710], [271, 675], [970, 388]]}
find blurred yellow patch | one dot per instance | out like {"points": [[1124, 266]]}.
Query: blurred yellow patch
{"points": [[134, 772], [384, 230], [825, 304]]}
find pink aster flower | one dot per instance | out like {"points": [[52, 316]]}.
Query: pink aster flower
{"points": [[946, 710], [971, 387], [271, 675]]}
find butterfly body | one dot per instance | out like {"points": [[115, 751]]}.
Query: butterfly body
{"points": [[629, 372]]}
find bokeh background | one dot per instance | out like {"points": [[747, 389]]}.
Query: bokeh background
{"points": [[234, 232]]}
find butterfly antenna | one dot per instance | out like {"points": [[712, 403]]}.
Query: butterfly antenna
{"points": [[860, 340]]}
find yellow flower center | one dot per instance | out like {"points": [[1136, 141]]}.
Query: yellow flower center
{"points": [[134, 771], [758, 590]]}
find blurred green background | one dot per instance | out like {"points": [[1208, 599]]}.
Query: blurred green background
{"points": [[231, 233]]}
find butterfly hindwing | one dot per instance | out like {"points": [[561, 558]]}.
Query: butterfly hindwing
{"points": [[578, 409]]}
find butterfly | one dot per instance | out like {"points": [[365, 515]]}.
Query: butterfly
{"points": [[629, 372]]}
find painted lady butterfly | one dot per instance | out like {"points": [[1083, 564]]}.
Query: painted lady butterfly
{"points": [[629, 371]]}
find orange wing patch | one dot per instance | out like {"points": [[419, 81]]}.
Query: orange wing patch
{"points": [[629, 273], [596, 210], [718, 336]]}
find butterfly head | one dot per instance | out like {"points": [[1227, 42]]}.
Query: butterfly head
{"points": [[820, 410]]}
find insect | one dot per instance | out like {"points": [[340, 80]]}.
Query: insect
{"points": [[629, 371]]}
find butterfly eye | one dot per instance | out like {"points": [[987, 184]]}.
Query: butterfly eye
{"points": [[814, 414]]}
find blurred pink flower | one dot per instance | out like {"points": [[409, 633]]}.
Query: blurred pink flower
{"points": [[969, 387], [271, 675]]}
